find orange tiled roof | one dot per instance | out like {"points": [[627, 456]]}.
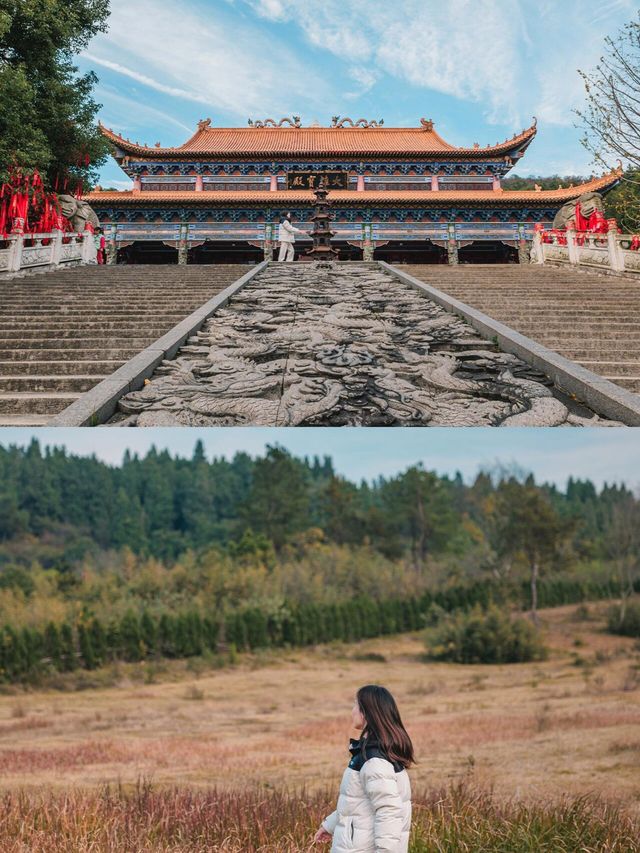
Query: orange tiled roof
{"points": [[278, 197], [256, 142]]}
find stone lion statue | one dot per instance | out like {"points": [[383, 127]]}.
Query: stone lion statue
{"points": [[589, 202], [78, 212]]}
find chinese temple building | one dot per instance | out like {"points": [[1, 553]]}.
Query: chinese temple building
{"points": [[397, 194]]}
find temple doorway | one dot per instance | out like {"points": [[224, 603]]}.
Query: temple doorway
{"points": [[487, 252], [225, 252], [147, 252], [410, 252]]}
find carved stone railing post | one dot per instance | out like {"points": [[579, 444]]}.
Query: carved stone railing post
{"points": [[56, 247], [616, 257], [572, 245], [537, 250], [88, 251], [17, 243]]}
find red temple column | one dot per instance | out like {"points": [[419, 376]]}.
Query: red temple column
{"points": [[496, 184], [360, 184], [199, 184], [137, 184], [435, 186], [273, 184]]}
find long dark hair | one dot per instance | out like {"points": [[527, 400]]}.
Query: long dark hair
{"points": [[382, 723]]}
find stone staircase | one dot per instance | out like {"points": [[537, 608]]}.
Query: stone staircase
{"points": [[63, 332], [592, 320]]}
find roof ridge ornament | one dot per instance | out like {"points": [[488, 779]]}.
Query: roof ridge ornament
{"points": [[427, 124], [294, 121], [336, 121], [204, 124]]}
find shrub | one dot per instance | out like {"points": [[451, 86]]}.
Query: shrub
{"points": [[625, 621], [484, 636]]}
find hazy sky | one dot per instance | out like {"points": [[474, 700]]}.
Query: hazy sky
{"points": [[611, 455], [479, 68]]}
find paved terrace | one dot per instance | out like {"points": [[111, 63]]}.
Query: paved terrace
{"points": [[303, 346], [591, 319], [63, 332]]}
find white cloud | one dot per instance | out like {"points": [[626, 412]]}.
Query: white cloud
{"points": [[205, 59], [273, 10], [426, 44], [147, 81], [122, 109]]}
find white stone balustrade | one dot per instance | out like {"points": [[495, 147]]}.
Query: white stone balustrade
{"points": [[611, 252], [25, 252]]}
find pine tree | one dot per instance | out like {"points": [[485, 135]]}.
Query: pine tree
{"points": [[132, 647], [52, 646], [68, 647], [98, 638], [149, 632], [86, 647], [167, 644]]}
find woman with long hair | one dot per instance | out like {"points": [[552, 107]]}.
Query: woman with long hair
{"points": [[373, 813]]}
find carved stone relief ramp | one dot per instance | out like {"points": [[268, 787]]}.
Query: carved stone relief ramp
{"points": [[300, 345]]}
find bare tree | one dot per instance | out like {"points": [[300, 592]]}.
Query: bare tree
{"points": [[623, 546], [611, 118]]}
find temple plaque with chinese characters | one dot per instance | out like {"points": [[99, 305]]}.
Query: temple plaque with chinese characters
{"points": [[313, 180]]}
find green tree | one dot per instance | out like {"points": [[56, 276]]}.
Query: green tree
{"points": [[52, 646], [47, 113], [67, 647], [530, 527], [278, 502], [86, 647], [422, 511], [623, 202], [131, 639]]}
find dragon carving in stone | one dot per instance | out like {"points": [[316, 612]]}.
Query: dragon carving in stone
{"points": [[294, 121], [336, 121], [344, 347]]}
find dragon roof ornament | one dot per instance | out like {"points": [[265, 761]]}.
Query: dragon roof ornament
{"points": [[294, 121], [336, 121]]}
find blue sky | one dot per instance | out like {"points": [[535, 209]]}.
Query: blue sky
{"points": [[479, 68], [603, 455]]}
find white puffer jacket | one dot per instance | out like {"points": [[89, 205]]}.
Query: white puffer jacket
{"points": [[373, 813]]}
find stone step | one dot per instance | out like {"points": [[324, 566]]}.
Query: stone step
{"points": [[95, 342], [71, 367], [29, 383], [24, 420], [37, 403], [586, 318], [589, 340], [68, 354], [69, 333], [158, 306], [629, 369], [71, 320], [631, 383], [601, 353]]}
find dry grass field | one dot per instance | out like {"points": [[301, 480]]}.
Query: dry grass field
{"points": [[570, 724]]}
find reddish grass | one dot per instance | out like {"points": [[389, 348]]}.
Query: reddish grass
{"points": [[460, 818]]}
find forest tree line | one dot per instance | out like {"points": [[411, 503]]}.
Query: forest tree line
{"points": [[92, 553]]}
